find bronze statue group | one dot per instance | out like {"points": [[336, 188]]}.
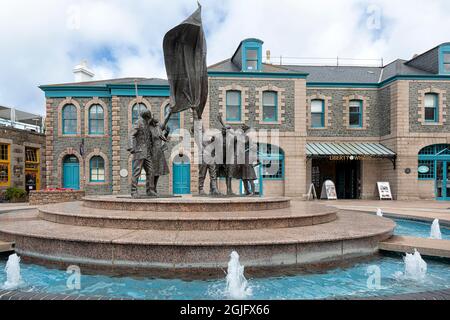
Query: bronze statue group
{"points": [[235, 160]]}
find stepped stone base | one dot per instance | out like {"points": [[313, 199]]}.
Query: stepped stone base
{"points": [[170, 236], [187, 204]]}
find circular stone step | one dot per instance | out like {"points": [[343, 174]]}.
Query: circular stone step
{"points": [[298, 215], [187, 203], [351, 235]]}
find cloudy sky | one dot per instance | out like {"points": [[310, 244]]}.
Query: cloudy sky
{"points": [[42, 40]]}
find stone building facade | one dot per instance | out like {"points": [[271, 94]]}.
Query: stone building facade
{"points": [[22, 159], [355, 126]]}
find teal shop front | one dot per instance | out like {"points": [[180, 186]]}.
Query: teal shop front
{"points": [[434, 164]]}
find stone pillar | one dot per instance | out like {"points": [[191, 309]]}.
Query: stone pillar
{"points": [[49, 150], [115, 116], [295, 167]]}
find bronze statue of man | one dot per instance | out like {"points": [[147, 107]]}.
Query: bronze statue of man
{"points": [[141, 148], [246, 170], [159, 136], [207, 164]]}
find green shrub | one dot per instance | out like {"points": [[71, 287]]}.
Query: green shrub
{"points": [[15, 194]]}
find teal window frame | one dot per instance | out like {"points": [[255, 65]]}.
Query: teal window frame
{"points": [[239, 106], [247, 59], [266, 156], [322, 114], [96, 120], [445, 64], [435, 107], [275, 106], [69, 119], [135, 114], [95, 169], [443, 52], [359, 113], [174, 119]]}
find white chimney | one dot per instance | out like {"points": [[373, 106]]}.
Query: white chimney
{"points": [[268, 57], [83, 73]]}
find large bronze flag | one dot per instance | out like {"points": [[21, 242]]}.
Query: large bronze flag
{"points": [[185, 58]]}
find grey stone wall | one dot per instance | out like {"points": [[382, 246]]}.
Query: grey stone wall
{"points": [[384, 110], [252, 84], [338, 127], [415, 125]]}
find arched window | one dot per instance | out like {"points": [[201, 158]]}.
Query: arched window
{"points": [[317, 113], [96, 119], [69, 119], [136, 111], [270, 106], [174, 123], [431, 107], [97, 169], [233, 111], [355, 113], [272, 161]]}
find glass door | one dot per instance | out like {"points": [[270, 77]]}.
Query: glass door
{"points": [[443, 180]]}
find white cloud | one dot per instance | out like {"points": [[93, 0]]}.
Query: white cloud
{"points": [[43, 40]]}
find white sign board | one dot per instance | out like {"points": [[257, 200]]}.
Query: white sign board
{"points": [[328, 191], [384, 190]]}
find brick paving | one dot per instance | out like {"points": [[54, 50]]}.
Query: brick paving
{"points": [[17, 295]]}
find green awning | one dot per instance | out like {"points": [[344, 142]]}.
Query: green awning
{"points": [[325, 149]]}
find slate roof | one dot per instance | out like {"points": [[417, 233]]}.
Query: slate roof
{"points": [[118, 81], [228, 66]]}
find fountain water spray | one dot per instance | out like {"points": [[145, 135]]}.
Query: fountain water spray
{"points": [[415, 266], [237, 285], [435, 230], [13, 278], [379, 212]]}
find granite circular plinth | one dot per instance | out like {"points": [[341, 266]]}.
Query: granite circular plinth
{"points": [[350, 235], [187, 204], [300, 214]]}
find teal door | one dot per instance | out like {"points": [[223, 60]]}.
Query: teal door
{"points": [[71, 173], [443, 180], [181, 178]]}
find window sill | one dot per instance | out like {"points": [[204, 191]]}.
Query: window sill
{"points": [[318, 128], [71, 135], [432, 123], [102, 183], [96, 135], [270, 122]]}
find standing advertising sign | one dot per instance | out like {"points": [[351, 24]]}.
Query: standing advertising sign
{"points": [[328, 191], [384, 191]]}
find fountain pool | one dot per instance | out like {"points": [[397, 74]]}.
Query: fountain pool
{"points": [[418, 229], [348, 282]]}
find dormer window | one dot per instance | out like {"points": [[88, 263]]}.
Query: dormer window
{"points": [[248, 56], [446, 61], [251, 61]]}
